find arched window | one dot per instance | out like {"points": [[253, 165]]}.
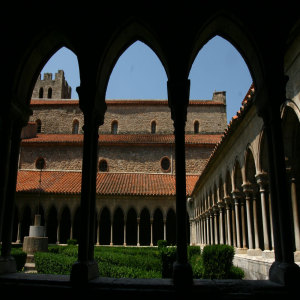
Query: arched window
{"points": [[75, 127], [153, 127], [165, 164], [196, 127], [114, 127], [41, 93], [39, 126], [50, 93], [103, 167], [40, 163]]}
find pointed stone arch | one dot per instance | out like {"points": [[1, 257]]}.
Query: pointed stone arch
{"points": [[132, 31], [229, 27]]}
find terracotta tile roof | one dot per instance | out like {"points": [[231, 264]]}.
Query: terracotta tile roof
{"points": [[39, 102], [60, 182], [141, 139]]}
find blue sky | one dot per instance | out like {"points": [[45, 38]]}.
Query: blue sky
{"points": [[139, 74]]}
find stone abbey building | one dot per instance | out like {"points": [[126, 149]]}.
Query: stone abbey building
{"points": [[135, 193]]}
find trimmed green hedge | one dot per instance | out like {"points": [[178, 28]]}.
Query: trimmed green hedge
{"points": [[20, 258], [52, 263], [215, 261]]}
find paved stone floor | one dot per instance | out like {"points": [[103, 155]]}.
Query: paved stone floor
{"points": [[37, 286]]}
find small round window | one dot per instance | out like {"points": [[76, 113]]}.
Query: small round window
{"points": [[165, 164], [103, 167], [40, 163]]}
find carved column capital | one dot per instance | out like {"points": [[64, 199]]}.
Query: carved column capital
{"points": [[262, 180], [247, 189], [178, 99], [227, 200], [93, 111], [215, 209]]}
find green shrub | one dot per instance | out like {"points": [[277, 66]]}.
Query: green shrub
{"points": [[140, 261], [236, 273], [162, 243], [20, 258], [72, 242], [217, 261], [168, 257], [192, 251], [107, 269], [51, 263]]}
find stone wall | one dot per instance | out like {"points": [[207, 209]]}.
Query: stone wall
{"points": [[59, 86], [131, 118], [119, 158]]}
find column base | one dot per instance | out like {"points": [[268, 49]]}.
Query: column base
{"points": [[7, 265], [287, 274], [82, 272], [241, 250], [269, 254], [297, 256], [182, 275], [254, 252]]}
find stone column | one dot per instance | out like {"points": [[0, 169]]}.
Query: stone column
{"points": [[111, 234], [98, 232], [216, 212], [283, 270], [211, 225], [227, 201], [208, 240], [138, 231], [178, 99], [221, 205], [256, 238], [124, 230], [11, 134], [204, 228], [247, 188], [86, 268], [165, 229], [243, 220], [261, 179], [233, 223], [18, 241], [292, 180], [151, 232], [58, 232], [236, 197]]}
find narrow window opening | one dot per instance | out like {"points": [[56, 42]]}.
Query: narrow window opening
{"points": [[40, 163], [75, 127], [50, 93], [39, 126], [196, 127], [103, 166], [41, 93], [114, 127], [153, 127]]}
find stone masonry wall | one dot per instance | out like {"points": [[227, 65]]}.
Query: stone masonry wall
{"points": [[119, 158], [131, 119], [59, 86]]}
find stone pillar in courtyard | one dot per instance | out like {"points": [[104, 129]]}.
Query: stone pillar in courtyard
{"points": [[178, 99], [35, 242]]}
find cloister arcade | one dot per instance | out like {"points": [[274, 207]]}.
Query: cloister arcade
{"points": [[233, 205], [113, 225], [267, 38]]}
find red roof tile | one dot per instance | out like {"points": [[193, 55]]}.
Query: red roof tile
{"points": [[60, 182], [141, 139]]}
